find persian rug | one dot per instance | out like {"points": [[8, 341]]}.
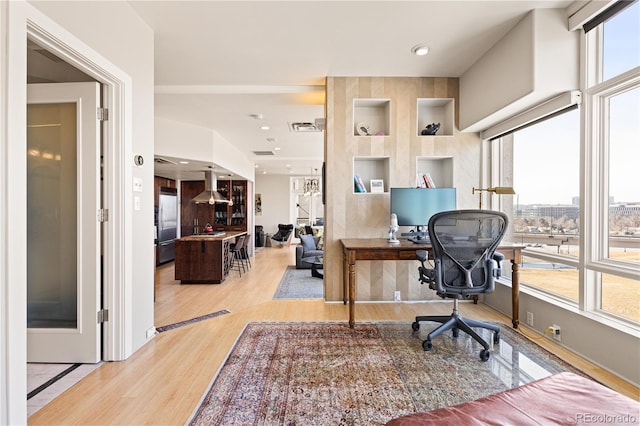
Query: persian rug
{"points": [[299, 284], [190, 321], [328, 374]]}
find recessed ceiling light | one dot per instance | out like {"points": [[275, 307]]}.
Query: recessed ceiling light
{"points": [[265, 127], [256, 166], [184, 162], [277, 148], [420, 49], [287, 165]]}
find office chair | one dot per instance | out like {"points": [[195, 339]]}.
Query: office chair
{"points": [[465, 264]]}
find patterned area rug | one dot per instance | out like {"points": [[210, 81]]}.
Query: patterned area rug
{"points": [[327, 373], [299, 284]]}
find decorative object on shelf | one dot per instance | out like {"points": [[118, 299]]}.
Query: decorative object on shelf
{"points": [[431, 129], [358, 184], [380, 133], [500, 190], [376, 185], [363, 129], [393, 228]]}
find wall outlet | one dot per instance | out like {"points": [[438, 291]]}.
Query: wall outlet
{"points": [[151, 332], [530, 318], [396, 296], [555, 332]]}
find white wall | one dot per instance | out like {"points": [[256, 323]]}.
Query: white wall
{"points": [[182, 140], [537, 60], [98, 30], [276, 195]]}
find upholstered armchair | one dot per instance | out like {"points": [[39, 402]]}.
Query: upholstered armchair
{"points": [[310, 245]]}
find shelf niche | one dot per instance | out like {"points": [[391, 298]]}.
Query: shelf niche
{"points": [[436, 110], [368, 168], [440, 169], [374, 113]]}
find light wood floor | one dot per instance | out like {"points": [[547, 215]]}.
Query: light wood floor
{"points": [[163, 382]]}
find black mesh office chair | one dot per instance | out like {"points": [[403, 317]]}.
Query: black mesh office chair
{"points": [[465, 263]]}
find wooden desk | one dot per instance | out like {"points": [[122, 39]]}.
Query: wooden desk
{"points": [[354, 249]]}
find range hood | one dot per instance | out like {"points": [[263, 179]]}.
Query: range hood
{"points": [[210, 194]]}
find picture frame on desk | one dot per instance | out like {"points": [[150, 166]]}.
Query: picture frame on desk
{"points": [[376, 185]]}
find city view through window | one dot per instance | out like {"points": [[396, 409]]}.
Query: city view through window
{"points": [[546, 178]]}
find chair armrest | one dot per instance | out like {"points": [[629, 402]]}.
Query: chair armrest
{"points": [[498, 257]]}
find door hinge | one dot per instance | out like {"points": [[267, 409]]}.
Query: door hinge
{"points": [[102, 114], [103, 215], [103, 316]]}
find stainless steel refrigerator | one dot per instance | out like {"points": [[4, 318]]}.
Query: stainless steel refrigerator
{"points": [[167, 223]]}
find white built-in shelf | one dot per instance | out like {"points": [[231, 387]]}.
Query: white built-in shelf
{"points": [[375, 114], [440, 169], [371, 168], [436, 110]]}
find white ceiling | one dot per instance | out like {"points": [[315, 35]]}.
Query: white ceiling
{"points": [[218, 62]]}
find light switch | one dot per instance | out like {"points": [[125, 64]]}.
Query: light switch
{"points": [[137, 205], [137, 185]]}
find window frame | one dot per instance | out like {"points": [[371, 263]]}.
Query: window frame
{"points": [[594, 259]]}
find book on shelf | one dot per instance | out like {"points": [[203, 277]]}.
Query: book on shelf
{"points": [[430, 183], [424, 180], [358, 184]]}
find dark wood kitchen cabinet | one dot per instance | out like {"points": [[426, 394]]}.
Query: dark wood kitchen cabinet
{"points": [[204, 259], [193, 217], [222, 216]]}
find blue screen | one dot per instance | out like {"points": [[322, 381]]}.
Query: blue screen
{"points": [[414, 206]]}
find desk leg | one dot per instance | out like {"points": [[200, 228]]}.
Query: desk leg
{"points": [[515, 293], [345, 283], [352, 294]]}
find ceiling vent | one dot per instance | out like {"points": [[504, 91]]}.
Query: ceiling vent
{"points": [[264, 153], [303, 127]]}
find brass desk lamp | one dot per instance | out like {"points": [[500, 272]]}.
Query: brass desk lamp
{"points": [[496, 189]]}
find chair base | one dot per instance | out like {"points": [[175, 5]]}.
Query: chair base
{"points": [[455, 322]]}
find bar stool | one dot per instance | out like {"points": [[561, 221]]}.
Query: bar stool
{"points": [[245, 250], [236, 252]]}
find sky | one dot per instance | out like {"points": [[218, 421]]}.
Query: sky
{"points": [[547, 155]]}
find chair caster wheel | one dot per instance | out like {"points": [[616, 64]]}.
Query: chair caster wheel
{"points": [[415, 326], [427, 345], [496, 337], [484, 355]]}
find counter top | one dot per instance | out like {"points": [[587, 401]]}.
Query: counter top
{"points": [[227, 235]]}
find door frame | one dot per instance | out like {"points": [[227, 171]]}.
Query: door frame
{"points": [[116, 141], [19, 20]]}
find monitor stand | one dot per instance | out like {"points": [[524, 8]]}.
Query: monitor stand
{"points": [[419, 235]]}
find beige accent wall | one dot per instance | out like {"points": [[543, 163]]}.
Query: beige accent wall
{"points": [[350, 215]]}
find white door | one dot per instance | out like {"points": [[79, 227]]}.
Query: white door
{"points": [[63, 233]]}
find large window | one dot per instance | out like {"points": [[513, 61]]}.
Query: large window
{"points": [[612, 138], [546, 211], [577, 207]]}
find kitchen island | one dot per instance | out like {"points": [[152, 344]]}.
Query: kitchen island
{"points": [[204, 259]]}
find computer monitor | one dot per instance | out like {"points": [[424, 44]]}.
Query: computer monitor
{"points": [[415, 206]]}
